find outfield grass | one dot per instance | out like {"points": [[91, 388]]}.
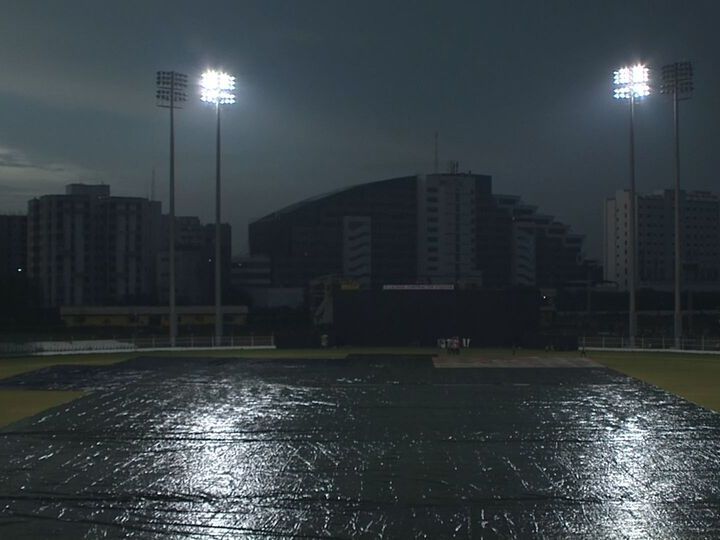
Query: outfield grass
{"points": [[9, 367], [18, 404], [693, 377]]}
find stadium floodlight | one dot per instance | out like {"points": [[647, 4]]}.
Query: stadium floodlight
{"points": [[677, 78], [217, 87], [632, 82], [677, 81], [171, 89], [170, 94]]}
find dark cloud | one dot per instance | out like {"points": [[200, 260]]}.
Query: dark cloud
{"points": [[335, 93], [14, 159]]}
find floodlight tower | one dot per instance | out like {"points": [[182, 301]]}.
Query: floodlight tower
{"points": [[632, 83], [171, 94], [217, 88], [677, 80]]}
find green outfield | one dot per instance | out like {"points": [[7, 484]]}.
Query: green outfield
{"points": [[18, 404], [693, 377]]}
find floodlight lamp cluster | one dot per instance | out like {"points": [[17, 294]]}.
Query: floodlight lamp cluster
{"points": [[632, 82], [677, 78], [171, 87], [217, 87]]}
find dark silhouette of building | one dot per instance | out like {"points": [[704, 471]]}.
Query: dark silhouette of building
{"points": [[13, 246], [437, 228], [89, 248], [700, 237], [367, 231], [194, 261], [18, 300]]}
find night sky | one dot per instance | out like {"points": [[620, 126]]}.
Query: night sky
{"points": [[337, 93]]}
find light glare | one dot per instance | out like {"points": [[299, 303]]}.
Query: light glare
{"points": [[632, 82], [217, 87]]}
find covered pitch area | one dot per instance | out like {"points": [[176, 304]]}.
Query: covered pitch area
{"points": [[367, 445]]}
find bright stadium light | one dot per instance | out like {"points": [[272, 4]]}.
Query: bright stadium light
{"points": [[632, 82], [217, 87]]}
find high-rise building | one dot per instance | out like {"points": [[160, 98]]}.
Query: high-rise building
{"points": [[87, 247], [447, 240], [18, 300], [700, 239], [431, 229], [250, 272], [13, 245], [194, 255], [317, 237]]}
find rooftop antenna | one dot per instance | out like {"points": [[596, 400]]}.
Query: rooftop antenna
{"points": [[152, 185], [435, 169]]}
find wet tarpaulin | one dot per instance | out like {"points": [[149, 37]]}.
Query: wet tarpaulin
{"points": [[365, 447]]}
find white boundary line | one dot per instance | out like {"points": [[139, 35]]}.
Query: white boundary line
{"points": [[140, 350], [671, 351]]}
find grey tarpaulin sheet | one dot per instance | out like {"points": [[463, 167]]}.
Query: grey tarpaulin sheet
{"points": [[365, 447]]}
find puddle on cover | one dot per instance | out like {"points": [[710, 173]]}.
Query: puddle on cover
{"points": [[178, 448]]}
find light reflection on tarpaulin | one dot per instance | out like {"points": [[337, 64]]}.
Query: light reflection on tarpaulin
{"points": [[388, 447], [226, 463], [629, 457], [634, 474], [247, 469]]}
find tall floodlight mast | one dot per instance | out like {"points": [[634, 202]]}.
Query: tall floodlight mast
{"points": [[217, 88], [677, 80], [170, 94], [632, 83]]}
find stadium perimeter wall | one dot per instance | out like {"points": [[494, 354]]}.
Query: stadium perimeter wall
{"points": [[421, 317]]}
